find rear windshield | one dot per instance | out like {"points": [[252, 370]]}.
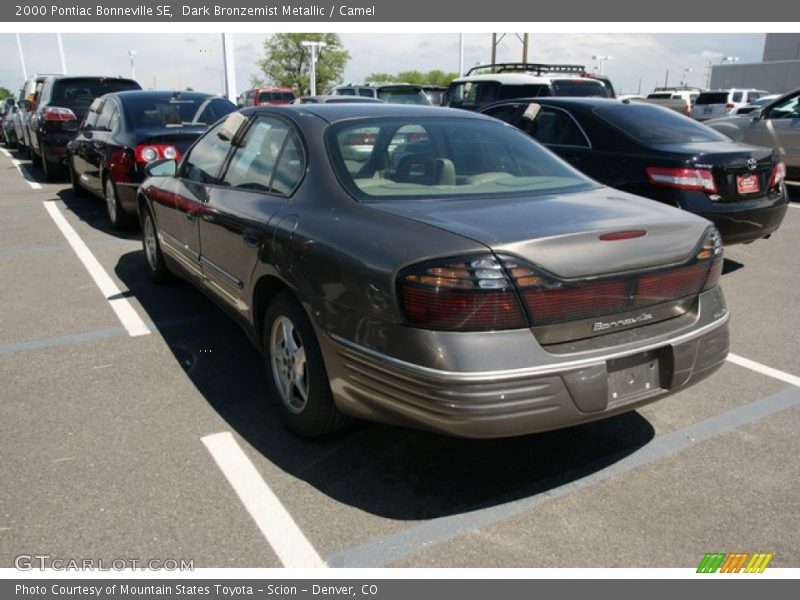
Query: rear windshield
{"points": [[78, 94], [414, 158], [403, 96], [579, 87], [661, 96], [157, 113], [275, 97], [712, 98], [655, 125]]}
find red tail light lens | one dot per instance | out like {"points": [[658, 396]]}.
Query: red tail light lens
{"points": [[482, 293], [146, 153], [56, 113], [684, 179], [465, 294], [730, 105], [360, 139], [778, 174]]}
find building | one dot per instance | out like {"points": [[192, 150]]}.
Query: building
{"points": [[778, 72]]}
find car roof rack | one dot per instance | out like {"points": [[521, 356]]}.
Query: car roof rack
{"points": [[536, 68]]}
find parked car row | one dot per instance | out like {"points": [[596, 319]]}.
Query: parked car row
{"points": [[484, 273]]}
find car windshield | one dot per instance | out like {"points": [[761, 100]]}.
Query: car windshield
{"points": [[414, 158], [78, 94], [655, 125], [158, 113], [579, 87]]}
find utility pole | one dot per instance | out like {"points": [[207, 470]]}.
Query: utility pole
{"points": [[602, 58], [524, 47], [666, 79], [495, 41], [132, 53], [315, 47], [61, 53], [228, 67], [22, 59], [460, 54]]}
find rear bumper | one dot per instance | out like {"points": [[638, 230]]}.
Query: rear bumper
{"points": [[742, 225], [561, 391]]}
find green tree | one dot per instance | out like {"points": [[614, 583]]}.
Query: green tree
{"points": [[287, 62], [434, 77], [5, 93]]}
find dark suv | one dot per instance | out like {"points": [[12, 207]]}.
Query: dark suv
{"points": [[60, 102]]}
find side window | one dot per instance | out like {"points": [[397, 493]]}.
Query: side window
{"points": [[552, 126], [737, 97], [90, 120], [205, 159], [290, 167], [249, 98], [510, 113], [788, 109], [107, 113], [253, 163], [366, 92]]}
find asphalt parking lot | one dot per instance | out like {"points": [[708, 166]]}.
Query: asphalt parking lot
{"points": [[136, 425]]}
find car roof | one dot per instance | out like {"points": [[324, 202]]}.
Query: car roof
{"points": [[159, 94], [355, 110], [522, 78]]}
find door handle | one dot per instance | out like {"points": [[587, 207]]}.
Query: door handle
{"points": [[191, 215], [250, 240]]}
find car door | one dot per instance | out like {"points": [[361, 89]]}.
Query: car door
{"points": [[552, 126], [780, 129], [80, 144], [96, 144], [179, 201], [261, 176]]}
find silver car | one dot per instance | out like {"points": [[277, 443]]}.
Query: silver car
{"points": [[777, 125]]}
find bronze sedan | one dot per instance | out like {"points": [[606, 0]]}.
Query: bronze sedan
{"points": [[435, 268]]}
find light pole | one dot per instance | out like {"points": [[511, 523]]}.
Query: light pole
{"points": [[315, 46], [131, 54], [683, 79], [602, 58]]}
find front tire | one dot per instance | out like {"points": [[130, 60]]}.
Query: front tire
{"points": [[156, 266], [77, 189], [296, 372]]}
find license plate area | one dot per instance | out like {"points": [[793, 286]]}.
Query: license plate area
{"points": [[747, 184], [632, 377]]}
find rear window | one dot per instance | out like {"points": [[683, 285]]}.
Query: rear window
{"points": [[78, 94], [158, 113], [666, 96], [579, 87], [509, 92], [414, 158], [712, 98], [403, 96], [655, 125], [275, 97]]}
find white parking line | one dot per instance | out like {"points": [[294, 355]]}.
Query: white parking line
{"points": [[764, 369], [34, 185], [125, 312], [274, 521]]}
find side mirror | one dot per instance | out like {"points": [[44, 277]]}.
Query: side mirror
{"points": [[70, 126], [24, 104], [165, 167]]}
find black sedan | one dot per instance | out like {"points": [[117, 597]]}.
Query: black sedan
{"points": [[124, 131], [435, 268], [654, 152]]}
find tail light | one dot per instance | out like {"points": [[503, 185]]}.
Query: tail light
{"points": [[56, 113], [682, 178], [146, 153], [360, 139], [730, 105], [465, 294], [778, 174], [490, 293]]}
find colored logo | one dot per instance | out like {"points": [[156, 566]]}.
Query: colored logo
{"points": [[736, 562]]}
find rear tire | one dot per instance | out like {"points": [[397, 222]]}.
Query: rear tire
{"points": [[116, 215], [296, 372]]}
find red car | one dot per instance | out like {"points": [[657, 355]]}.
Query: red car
{"points": [[269, 95]]}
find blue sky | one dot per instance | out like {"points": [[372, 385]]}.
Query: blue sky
{"points": [[186, 59]]}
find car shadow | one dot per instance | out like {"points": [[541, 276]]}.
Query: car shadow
{"points": [[91, 210], [388, 471]]}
